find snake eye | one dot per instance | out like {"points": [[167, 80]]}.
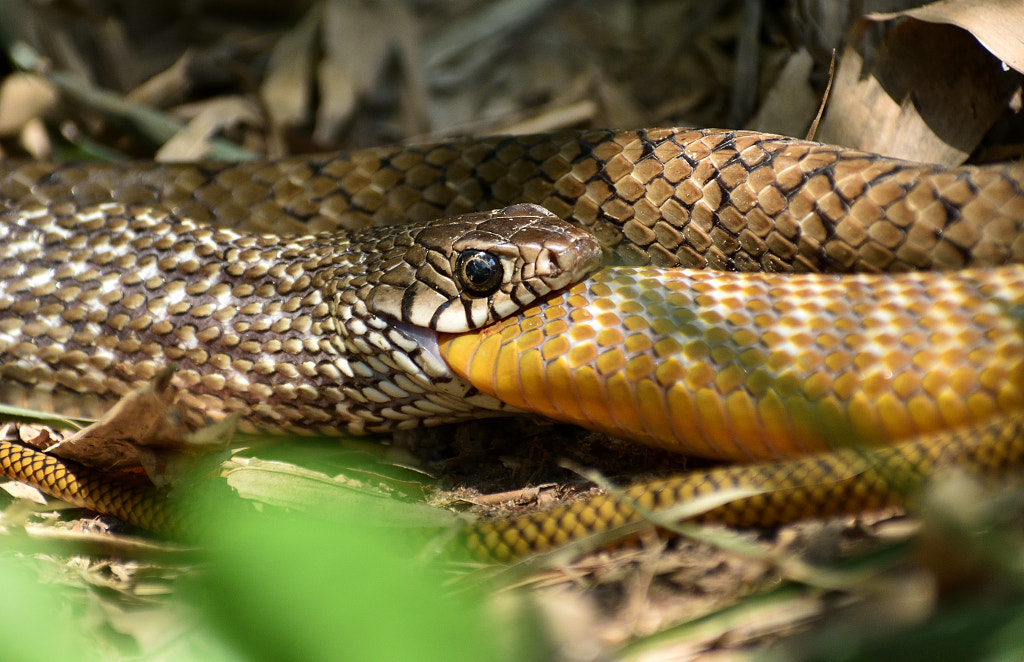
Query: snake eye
{"points": [[479, 272]]}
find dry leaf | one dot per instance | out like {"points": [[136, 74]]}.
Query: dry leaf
{"points": [[35, 139], [23, 491], [482, 25], [294, 487], [116, 441], [930, 93], [415, 97], [144, 430], [356, 44], [170, 86], [24, 97], [997, 24], [194, 141], [286, 87], [790, 104]]}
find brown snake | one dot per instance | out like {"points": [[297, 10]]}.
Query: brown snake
{"points": [[728, 200]]}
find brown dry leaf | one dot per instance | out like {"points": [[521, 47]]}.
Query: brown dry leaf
{"points": [[285, 90], [997, 24], [929, 93], [356, 43], [194, 141], [23, 98], [415, 97], [790, 104], [115, 53], [170, 86], [116, 441], [36, 436], [144, 429]]}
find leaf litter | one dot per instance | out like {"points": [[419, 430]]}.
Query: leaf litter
{"points": [[329, 75]]}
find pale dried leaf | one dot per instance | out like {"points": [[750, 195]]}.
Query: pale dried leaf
{"points": [[35, 139], [194, 141], [160, 632], [997, 24], [24, 97], [118, 545], [790, 104], [286, 88], [168, 87], [356, 46], [23, 491], [553, 119]]}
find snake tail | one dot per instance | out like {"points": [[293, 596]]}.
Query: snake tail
{"points": [[846, 481], [140, 505]]}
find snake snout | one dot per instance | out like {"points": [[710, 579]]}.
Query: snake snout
{"points": [[591, 255], [565, 265]]}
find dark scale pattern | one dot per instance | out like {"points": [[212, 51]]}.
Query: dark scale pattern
{"points": [[142, 506], [733, 200]]}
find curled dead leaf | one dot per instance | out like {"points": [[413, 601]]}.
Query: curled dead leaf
{"points": [[146, 430], [996, 24], [929, 93]]}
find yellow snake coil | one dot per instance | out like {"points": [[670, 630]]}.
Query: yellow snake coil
{"points": [[730, 366]]}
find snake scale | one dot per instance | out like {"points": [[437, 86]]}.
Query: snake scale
{"points": [[325, 328]]}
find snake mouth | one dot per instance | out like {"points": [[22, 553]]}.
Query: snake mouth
{"points": [[426, 339]]}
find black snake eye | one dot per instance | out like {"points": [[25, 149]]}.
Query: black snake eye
{"points": [[479, 272]]}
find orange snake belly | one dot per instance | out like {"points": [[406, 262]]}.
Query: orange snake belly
{"points": [[760, 366]]}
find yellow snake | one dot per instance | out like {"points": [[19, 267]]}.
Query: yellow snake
{"points": [[724, 365]]}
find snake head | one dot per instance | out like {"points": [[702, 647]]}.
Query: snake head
{"points": [[468, 271]]}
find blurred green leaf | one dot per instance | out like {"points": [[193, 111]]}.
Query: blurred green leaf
{"points": [[35, 620], [290, 587]]}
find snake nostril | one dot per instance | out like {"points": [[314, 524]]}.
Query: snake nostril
{"points": [[589, 256], [547, 264]]}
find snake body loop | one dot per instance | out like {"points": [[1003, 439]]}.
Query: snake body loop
{"points": [[696, 198], [108, 272]]}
